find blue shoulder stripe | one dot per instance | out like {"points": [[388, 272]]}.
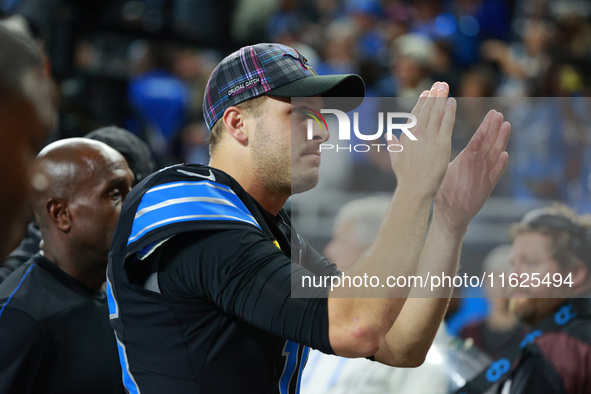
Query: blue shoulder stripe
{"points": [[187, 201], [17, 287]]}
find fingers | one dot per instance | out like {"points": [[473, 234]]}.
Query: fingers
{"points": [[498, 156], [499, 168], [420, 102], [395, 139], [490, 141], [416, 111], [500, 143], [424, 106], [427, 108], [478, 137], [449, 118], [492, 133], [439, 105]]}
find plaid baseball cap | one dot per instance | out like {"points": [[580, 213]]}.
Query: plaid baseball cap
{"points": [[275, 70]]}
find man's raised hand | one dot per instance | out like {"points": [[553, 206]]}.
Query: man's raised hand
{"points": [[473, 174], [423, 163]]}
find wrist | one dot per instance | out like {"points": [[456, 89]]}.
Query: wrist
{"points": [[446, 226], [414, 192]]}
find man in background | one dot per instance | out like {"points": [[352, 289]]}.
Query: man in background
{"points": [[26, 115], [140, 161], [553, 245], [500, 330], [54, 320]]}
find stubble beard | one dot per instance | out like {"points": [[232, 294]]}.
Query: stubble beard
{"points": [[272, 170], [532, 311], [273, 166]]}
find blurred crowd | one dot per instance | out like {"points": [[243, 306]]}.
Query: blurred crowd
{"points": [[143, 65]]}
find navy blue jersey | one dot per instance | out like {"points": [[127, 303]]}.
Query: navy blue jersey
{"points": [[55, 334], [199, 284]]}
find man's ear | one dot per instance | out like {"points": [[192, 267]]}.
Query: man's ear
{"points": [[235, 121], [580, 275], [58, 212]]}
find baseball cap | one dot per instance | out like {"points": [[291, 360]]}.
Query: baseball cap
{"points": [[135, 151], [275, 70]]}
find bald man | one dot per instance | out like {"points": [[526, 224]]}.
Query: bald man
{"points": [[140, 161], [27, 111], [54, 318]]}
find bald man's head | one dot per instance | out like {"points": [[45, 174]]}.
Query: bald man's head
{"points": [[66, 165], [78, 191]]}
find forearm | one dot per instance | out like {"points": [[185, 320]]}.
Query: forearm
{"points": [[411, 336], [468, 182], [357, 327], [398, 245], [363, 316], [441, 254]]}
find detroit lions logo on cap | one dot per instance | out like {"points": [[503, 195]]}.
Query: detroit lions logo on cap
{"points": [[303, 61]]}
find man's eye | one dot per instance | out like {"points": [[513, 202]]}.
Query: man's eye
{"points": [[115, 194]]}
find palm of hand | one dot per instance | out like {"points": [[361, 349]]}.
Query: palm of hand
{"points": [[471, 177]]}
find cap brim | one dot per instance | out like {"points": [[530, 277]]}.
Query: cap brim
{"points": [[348, 86]]}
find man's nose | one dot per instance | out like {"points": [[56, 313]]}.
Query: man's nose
{"points": [[320, 133]]}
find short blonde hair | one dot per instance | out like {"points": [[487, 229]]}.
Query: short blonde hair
{"points": [[570, 234], [254, 106]]}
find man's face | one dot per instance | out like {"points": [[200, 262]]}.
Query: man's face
{"points": [[283, 157], [97, 203], [26, 123], [531, 254]]}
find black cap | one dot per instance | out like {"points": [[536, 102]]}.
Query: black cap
{"points": [[136, 152]]}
